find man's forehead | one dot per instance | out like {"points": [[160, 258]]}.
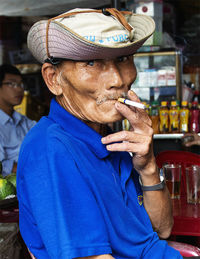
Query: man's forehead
{"points": [[56, 61], [10, 75]]}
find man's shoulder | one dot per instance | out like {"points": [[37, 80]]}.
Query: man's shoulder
{"points": [[23, 118], [45, 132], [44, 142]]}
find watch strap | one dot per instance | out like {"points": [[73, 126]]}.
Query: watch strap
{"points": [[156, 187]]}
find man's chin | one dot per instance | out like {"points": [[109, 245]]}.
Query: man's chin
{"points": [[115, 118], [16, 104]]}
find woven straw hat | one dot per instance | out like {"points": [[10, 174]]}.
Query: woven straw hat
{"points": [[88, 34]]}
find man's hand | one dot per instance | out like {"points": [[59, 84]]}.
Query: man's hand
{"points": [[138, 141], [191, 139]]}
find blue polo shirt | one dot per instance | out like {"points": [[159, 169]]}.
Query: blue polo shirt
{"points": [[77, 199]]}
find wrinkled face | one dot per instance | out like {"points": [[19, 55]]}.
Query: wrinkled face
{"points": [[10, 96], [90, 89]]}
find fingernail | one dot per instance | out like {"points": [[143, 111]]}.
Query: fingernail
{"points": [[103, 140], [117, 104], [130, 92], [108, 147]]}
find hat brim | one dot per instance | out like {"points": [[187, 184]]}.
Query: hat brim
{"points": [[66, 44]]}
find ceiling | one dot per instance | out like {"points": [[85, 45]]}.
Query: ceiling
{"points": [[45, 7], [184, 8]]}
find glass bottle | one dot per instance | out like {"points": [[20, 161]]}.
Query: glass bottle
{"points": [[174, 117], [184, 117], [196, 97], [147, 108], [194, 118], [154, 115], [164, 117]]}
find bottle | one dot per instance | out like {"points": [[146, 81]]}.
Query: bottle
{"points": [[174, 117], [164, 117], [154, 115], [184, 117], [196, 96], [23, 106], [178, 105], [194, 118], [125, 124], [147, 108]]}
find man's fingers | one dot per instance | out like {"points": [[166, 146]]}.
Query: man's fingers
{"points": [[133, 114], [138, 148], [122, 136]]}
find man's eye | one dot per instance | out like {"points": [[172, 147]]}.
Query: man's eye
{"points": [[122, 59], [90, 63]]}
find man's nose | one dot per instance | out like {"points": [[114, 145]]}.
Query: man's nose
{"points": [[19, 89], [113, 75]]}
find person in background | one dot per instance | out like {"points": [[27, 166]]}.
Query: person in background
{"points": [[13, 125], [84, 191], [191, 139]]}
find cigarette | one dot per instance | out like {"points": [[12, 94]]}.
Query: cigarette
{"points": [[131, 103]]}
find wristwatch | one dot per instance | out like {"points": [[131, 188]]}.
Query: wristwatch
{"points": [[156, 187]]}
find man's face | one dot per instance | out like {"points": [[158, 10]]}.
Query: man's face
{"points": [[90, 89], [10, 96]]}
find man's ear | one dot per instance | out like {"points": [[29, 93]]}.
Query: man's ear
{"points": [[50, 75]]}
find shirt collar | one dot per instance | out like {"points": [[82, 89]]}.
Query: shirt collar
{"points": [[16, 117], [4, 117], [78, 129]]}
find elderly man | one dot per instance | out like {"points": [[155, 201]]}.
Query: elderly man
{"points": [[81, 194]]}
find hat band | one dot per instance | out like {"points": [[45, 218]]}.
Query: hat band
{"points": [[112, 11]]}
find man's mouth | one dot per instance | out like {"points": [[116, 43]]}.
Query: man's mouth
{"points": [[114, 97], [20, 97]]}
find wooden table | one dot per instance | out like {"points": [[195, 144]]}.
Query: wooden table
{"points": [[186, 218], [9, 211], [9, 216]]}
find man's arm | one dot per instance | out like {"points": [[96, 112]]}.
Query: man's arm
{"points": [[158, 205], [191, 139], [14, 169], [138, 141]]}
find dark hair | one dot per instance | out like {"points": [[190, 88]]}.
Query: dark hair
{"points": [[7, 69]]}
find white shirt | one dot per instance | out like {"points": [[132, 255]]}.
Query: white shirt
{"points": [[12, 132]]}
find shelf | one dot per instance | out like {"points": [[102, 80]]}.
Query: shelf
{"points": [[151, 84], [169, 136], [158, 86], [157, 53]]}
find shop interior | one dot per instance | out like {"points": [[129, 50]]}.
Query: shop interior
{"points": [[168, 64], [173, 49]]}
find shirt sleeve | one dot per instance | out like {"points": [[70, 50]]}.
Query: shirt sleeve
{"points": [[62, 207], [7, 165], [2, 153], [30, 123]]}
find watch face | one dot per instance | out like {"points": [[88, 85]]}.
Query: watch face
{"points": [[162, 173]]}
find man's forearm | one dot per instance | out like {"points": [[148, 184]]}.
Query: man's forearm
{"points": [[157, 203], [159, 208]]}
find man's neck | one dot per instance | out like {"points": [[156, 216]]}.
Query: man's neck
{"points": [[7, 109], [100, 128]]}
